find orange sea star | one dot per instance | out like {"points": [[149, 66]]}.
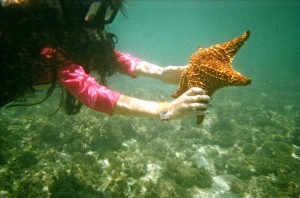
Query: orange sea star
{"points": [[211, 69]]}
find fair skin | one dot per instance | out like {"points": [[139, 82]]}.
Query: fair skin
{"points": [[192, 102]]}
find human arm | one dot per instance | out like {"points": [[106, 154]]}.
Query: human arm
{"points": [[192, 102], [89, 92], [169, 74], [86, 89], [134, 67]]}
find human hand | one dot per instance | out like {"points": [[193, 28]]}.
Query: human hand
{"points": [[171, 74], [192, 102]]}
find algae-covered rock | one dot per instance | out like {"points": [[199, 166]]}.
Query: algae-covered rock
{"points": [[24, 160], [169, 188], [68, 185], [187, 176], [106, 138], [50, 135]]}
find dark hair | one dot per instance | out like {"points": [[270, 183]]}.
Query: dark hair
{"points": [[26, 29]]}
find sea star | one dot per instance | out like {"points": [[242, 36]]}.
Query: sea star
{"points": [[211, 69]]}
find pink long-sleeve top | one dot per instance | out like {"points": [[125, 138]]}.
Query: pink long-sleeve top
{"points": [[85, 87]]}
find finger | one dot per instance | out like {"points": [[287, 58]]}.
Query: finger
{"points": [[195, 91], [198, 106], [198, 98]]}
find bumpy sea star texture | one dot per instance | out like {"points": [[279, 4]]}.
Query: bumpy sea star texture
{"points": [[211, 69]]}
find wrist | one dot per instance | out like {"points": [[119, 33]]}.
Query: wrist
{"points": [[164, 111]]}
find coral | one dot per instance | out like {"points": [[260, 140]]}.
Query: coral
{"points": [[92, 155], [248, 148], [4, 150], [187, 176], [68, 185], [223, 138], [24, 160], [117, 188], [7, 180], [273, 149], [50, 135], [238, 187], [107, 137], [30, 186], [169, 188]]}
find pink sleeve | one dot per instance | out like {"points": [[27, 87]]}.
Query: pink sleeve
{"points": [[84, 87], [127, 63]]}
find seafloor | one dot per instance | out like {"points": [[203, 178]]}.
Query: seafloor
{"points": [[248, 146]]}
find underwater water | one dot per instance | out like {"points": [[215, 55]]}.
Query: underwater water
{"points": [[247, 146]]}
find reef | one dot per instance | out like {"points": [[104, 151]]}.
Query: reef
{"points": [[253, 152]]}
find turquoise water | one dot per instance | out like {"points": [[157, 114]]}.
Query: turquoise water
{"points": [[247, 146]]}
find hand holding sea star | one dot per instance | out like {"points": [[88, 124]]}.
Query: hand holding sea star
{"points": [[211, 69]]}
